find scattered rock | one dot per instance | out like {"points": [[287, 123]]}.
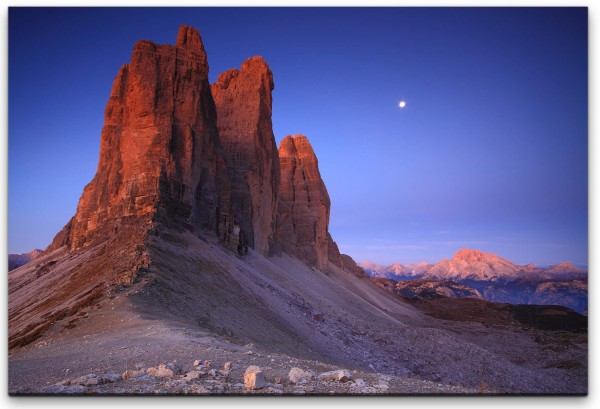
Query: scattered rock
{"points": [[197, 362], [298, 390], [175, 368], [274, 391], [228, 366], [86, 380], [298, 375], [254, 378], [339, 375], [248, 353], [92, 382], [163, 371], [130, 374], [359, 383], [252, 368], [110, 378], [192, 375]]}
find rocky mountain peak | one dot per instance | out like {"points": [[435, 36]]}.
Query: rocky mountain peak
{"points": [[304, 204], [160, 156], [298, 145], [180, 162], [565, 267], [469, 256], [244, 105], [189, 37]]}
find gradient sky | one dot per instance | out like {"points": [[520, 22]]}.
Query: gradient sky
{"points": [[490, 152]]}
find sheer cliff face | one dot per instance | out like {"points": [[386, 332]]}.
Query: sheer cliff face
{"points": [[169, 158], [303, 212], [243, 101], [160, 158], [176, 152]]}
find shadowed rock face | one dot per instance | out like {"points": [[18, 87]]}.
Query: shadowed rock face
{"points": [[303, 213], [17, 260], [243, 100], [160, 158], [428, 289], [343, 261]]}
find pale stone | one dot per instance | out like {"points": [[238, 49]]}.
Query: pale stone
{"points": [[254, 380], [339, 375], [111, 377], [298, 375], [193, 375], [161, 372], [252, 368]]}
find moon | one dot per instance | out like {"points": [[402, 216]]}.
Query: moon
{"points": [[402, 104]]}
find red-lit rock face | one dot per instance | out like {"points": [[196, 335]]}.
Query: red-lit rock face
{"points": [[160, 157], [303, 214], [243, 100], [176, 152]]}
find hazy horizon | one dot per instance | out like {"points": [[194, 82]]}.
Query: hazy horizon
{"points": [[489, 153]]}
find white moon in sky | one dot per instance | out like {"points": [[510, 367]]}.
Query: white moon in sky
{"points": [[402, 104]]}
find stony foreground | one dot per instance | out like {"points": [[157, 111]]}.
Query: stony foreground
{"points": [[250, 372], [131, 355], [302, 322], [171, 379]]}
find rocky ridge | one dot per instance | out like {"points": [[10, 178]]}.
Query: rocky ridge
{"points": [[173, 160], [428, 289], [475, 265], [494, 278], [17, 260]]}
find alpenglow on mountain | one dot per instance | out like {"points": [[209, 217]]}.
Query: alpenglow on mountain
{"points": [[493, 278], [178, 154], [476, 265], [199, 244]]}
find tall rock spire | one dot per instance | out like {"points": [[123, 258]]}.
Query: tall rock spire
{"points": [[303, 212], [243, 100], [160, 156]]}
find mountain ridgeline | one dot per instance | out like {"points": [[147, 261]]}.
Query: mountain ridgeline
{"points": [[177, 154], [18, 260], [199, 236], [490, 277]]}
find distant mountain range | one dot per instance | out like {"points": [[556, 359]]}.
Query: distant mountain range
{"points": [[428, 289], [492, 277], [18, 260]]}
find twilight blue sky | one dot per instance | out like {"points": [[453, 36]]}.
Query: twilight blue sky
{"points": [[490, 152]]}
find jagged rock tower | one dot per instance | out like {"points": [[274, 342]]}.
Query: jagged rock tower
{"points": [[173, 161], [304, 203], [243, 99], [160, 156]]}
